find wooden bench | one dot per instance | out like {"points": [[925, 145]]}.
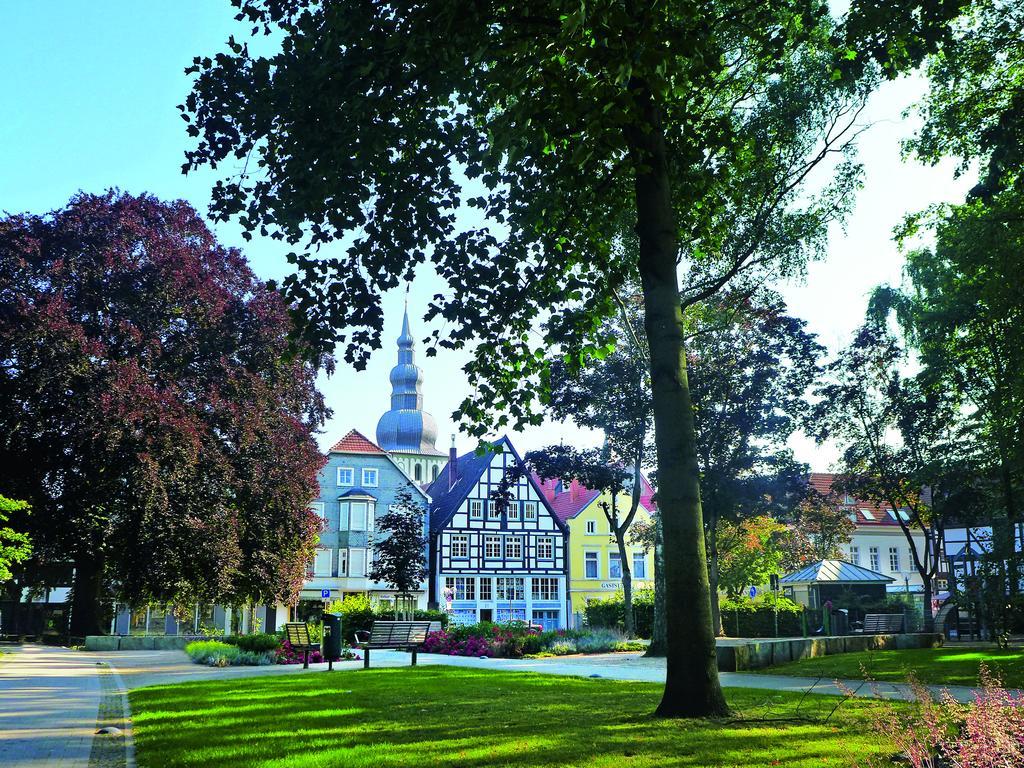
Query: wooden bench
{"points": [[883, 623], [399, 635], [298, 638], [362, 636]]}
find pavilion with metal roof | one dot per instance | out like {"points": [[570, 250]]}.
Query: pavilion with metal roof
{"points": [[825, 580]]}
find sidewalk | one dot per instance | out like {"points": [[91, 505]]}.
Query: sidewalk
{"points": [[49, 699]]}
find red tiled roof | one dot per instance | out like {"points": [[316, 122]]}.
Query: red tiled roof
{"points": [[568, 503], [356, 442], [879, 513]]}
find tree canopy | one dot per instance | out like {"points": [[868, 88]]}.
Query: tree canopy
{"points": [[400, 544], [15, 545], [152, 414]]}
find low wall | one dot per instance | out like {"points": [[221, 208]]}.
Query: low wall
{"points": [[139, 642], [757, 654]]}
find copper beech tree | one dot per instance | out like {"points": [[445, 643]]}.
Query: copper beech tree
{"points": [[152, 414], [504, 144]]}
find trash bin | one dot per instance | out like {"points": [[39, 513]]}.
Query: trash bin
{"points": [[841, 622], [330, 646]]}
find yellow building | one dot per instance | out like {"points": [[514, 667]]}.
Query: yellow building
{"points": [[594, 563]]}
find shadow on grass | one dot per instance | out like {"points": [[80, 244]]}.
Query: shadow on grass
{"points": [[461, 717]]}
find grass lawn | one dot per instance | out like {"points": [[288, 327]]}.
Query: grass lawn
{"points": [[460, 717], [940, 666]]}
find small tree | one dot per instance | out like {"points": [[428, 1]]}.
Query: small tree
{"points": [[15, 546], [749, 552], [817, 529], [399, 545]]}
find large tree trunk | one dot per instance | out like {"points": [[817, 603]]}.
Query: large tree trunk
{"points": [[691, 687], [716, 612], [86, 597], [659, 643]]}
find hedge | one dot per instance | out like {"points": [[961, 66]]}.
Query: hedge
{"points": [[756, 618], [611, 612]]}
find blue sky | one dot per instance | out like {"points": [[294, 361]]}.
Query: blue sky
{"points": [[90, 92]]}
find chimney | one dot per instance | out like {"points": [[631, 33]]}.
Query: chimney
{"points": [[453, 465], [548, 486], [574, 490]]}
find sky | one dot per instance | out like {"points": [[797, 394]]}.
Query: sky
{"points": [[90, 95]]}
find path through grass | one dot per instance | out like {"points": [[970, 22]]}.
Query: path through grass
{"points": [[437, 715], [938, 666]]}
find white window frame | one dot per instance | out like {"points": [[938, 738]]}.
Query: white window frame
{"points": [[462, 587], [357, 561], [855, 554], [367, 507], [370, 472], [486, 591], [544, 588], [894, 560], [513, 547], [490, 541], [613, 557], [493, 513], [874, 562], [352, 476], [641, 558], [546, 544], [529, 511], [460, 543], [596, 560], [503, 584], [476, 509], [318, 562], [343, 562], [513, 511], [320, 510], [591, 527]]}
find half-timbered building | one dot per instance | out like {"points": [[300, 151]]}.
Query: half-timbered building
{"points": [[492, 561]]}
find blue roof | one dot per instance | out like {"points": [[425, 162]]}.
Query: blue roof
{"points": [[357, 492], [835, 572]]}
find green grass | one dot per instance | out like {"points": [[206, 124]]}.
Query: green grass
{"points": [[939, 666], [434, 715]]}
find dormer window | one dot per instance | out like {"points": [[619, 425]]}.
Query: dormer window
{"points": [[867, 514]]}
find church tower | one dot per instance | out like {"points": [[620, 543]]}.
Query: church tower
{"points": [[408, 432]]}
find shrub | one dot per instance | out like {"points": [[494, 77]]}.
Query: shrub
{"points": [[358, 613], [217, 654], [743, 617], [611, 612], [261, 643], [600, 640], [561, 647], [285, 654], [930, 733]]}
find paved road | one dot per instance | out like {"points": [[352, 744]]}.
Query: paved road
{"points": [[49, 699]]}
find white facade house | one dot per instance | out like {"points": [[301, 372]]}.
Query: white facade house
{"points": [[494, 564]]}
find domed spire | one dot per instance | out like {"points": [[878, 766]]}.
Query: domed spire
{"points": [[407, 427]]}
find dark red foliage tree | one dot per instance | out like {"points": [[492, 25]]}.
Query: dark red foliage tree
{"points": [[153, 412]]}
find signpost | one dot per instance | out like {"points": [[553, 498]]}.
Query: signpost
{"points": [[773, 581], [325, 594], [753, 592]]}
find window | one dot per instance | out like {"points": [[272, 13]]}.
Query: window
{"points": [[942, 585], [640, 565], [545, 548], [492, 510], [894, 559], [357, 515], [591, 526], [433, 472], [485, 588], [529, 510], [614, 566], [460, 546], [545, 589], [510, 588], [492, 547], [357, 562], [343, 562], [855, 555], [462, 587], [513, 511], [320, 510], [369, 478], [848, 499], [476, 509], [346, 476], [514, 548], [873, 555], [322, 563], [418, 472], [590, 565], [867, 514]]}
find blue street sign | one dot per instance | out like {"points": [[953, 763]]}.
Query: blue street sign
{"points": [[325, 593], [753, 591]]}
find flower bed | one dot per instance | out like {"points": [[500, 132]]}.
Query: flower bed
{"points": [[514, 641]]}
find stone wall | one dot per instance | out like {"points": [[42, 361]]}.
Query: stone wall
{"points": [[758, 654]]}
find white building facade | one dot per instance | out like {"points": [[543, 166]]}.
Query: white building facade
{"points": [[490, 563]]}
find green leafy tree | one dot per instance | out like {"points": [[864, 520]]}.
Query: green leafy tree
{"points": [[15, 545], [400, 544], [750, 552], [900, 441], [817, 529], [380, 125]]}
